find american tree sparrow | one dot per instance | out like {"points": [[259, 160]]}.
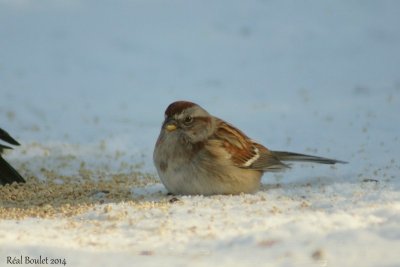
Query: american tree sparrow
{"points": [[199, 154]]}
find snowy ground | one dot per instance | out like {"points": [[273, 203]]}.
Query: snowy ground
{"points": [[84, 85]]}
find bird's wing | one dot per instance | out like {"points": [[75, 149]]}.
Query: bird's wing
{"points": [[244, 152], [7, 138]]}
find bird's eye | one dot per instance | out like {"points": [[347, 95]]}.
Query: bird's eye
{"points": [[188, 120]]}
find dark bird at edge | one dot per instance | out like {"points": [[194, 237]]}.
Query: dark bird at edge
{"points": [[8, 174]]}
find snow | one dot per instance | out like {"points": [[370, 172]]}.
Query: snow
{"points": [[84, 85]]}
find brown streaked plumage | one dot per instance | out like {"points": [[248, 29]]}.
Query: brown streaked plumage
{"points": [[245, 152], [206, 155]]}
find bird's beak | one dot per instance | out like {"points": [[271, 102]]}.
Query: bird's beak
{"points": [[170, 127]]}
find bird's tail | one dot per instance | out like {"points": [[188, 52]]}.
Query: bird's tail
{"points": [[8, 174], [290, 156]]}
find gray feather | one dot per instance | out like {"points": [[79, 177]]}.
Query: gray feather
{"points": [[290, 156]]}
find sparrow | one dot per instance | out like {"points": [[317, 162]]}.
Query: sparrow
{"points": [[199, 154], [8, 174]]}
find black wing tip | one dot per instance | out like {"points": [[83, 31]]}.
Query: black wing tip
{"points": [[8, 174], [4, 147], [5, 136]]}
